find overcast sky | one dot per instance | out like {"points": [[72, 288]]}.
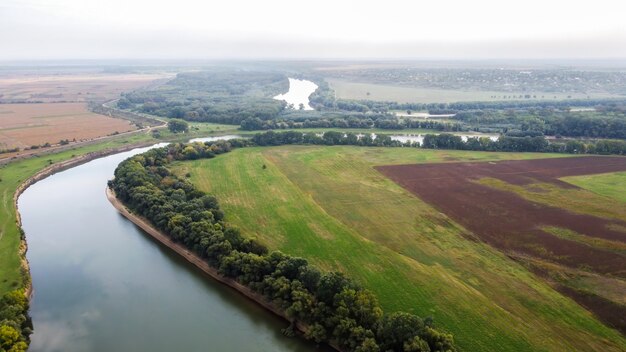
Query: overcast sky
{"points": [[179, 29]]}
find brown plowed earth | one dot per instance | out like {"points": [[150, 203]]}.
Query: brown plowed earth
{"points": [[511, 223]]}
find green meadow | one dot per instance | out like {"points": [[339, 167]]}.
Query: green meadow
{"points": [[329, 205], [611, 185]]}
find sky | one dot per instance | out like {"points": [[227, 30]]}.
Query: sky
{"points": [[321, 29]]}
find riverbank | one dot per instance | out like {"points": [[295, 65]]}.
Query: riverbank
{"points": [[200, 263], [46, 172], [19, 173]]}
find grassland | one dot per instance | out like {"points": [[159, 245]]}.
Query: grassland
{"points": [[611, 185], [329, 205], [403, 94]]}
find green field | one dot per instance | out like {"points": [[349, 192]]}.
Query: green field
{"points": [[610, 185], [329, 205], [404, 94]]}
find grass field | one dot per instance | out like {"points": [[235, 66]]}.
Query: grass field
{"points": [[611, 185], [402, 94], [329, 205]]}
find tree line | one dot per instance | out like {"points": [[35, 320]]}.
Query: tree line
{"points": [[15, 324], [335, 308], [447, 141], [326, 100], [365, 122]]}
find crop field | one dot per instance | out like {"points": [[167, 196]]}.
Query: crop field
{"points": [[331, 206], [403, 94], [523, 209], [24, 125], [69, 87]]}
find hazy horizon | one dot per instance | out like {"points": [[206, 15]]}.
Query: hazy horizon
{"points": [[278, 29]]}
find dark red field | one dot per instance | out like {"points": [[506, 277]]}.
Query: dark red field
{"points": [[513, 224]]}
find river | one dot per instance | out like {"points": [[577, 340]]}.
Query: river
{"points": [[101, 284]]}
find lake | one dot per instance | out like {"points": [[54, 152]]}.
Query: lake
{"points": [[299, 92]]}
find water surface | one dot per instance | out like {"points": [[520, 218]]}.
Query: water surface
{"points": [[299, 92]]}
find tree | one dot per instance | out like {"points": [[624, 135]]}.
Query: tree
{"points": [[399, 328], [10, 340], [176, 125]]}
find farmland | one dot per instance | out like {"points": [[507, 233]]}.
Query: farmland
{"points": [[329, 205], [25, 125], [40, 107], [353, 90], [69, 86], [432, 83], [523, 209]]}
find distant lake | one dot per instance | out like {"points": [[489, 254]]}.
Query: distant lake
{"points": [[299, 92]]}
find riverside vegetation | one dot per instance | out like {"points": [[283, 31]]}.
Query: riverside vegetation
{"points": [[333, 307]]}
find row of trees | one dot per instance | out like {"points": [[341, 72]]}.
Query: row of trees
{"points": [[525, 144], [364, 122], [446, 141], [15, 325], [328, 138], [445, 108], [335, 308]]}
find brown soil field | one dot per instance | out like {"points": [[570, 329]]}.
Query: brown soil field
{"points": [[70, 87], [514, 224], [24, 125]]}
